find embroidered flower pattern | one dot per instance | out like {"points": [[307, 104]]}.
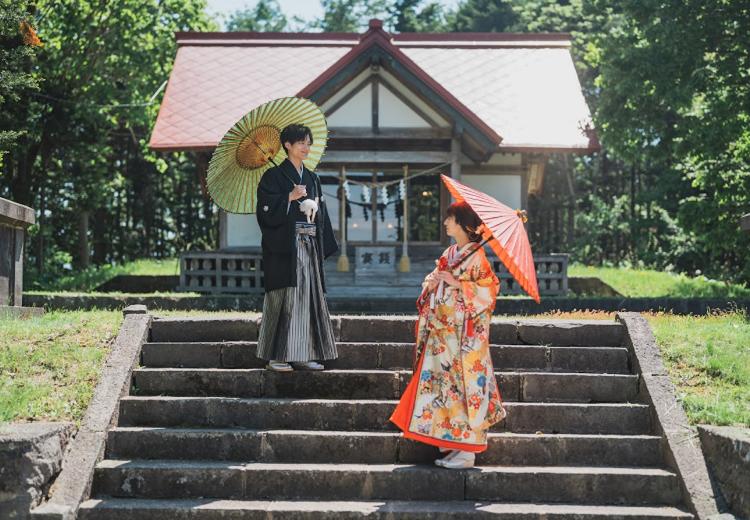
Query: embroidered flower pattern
{"points": [[457, 396]]}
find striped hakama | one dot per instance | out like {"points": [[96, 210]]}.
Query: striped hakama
{"points": [[296, 325]]}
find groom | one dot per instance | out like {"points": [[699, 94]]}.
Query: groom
{"points": [[295, 330]]}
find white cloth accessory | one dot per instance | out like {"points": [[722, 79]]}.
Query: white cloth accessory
{"points": [[310, 208]]}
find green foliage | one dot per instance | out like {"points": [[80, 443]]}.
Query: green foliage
{"points": [[349, 15], [83, 159], [671, 111], [407, 16], [16, 77], [483, 16], [265, 16], [675, 110]]}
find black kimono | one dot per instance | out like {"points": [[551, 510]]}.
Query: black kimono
{"points": [[277, 219], [295, 326]]}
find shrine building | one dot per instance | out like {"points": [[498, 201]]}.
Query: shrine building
{"points": [[485, 108]]}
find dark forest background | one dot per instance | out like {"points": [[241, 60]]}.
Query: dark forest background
{"points": [[668, 83]]}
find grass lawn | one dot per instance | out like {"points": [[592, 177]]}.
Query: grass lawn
{"points": [[49, 365], [646, 283], [628, 282], [89, 279], [708, 359]]}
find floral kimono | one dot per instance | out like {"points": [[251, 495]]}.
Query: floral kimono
{"points": [[453, 399]]}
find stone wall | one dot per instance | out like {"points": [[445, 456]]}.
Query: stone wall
{"points": [[30, 457], [727, 449]]}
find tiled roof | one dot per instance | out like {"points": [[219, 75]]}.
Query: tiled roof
{"points": [[524, 88], [530, 96]]}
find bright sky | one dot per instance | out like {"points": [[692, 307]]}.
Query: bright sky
{"points": [[305, 9]]}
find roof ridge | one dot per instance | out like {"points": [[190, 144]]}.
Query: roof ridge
{"points": [[436, 39], [376, 36]]}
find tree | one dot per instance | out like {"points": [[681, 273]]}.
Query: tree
{"points": [[18, 43], [87, 126], [349, 15], [483, 16], [264, 17], [677, 108], [404, 16]]}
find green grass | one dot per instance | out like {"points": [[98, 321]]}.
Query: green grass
{"points": [[708, 359], [646, 283], [49, 365], [114, 294], [88, 279]]}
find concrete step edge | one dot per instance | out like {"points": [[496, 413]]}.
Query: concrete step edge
{"points": [[135, 464], [291, 400], [323, 433], [373, 507], [377, 371]]}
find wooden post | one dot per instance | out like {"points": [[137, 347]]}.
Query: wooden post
{"points": [[343, 263], [404, 265]]}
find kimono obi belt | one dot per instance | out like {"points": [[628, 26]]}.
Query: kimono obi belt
{"points": [[306, 229]]}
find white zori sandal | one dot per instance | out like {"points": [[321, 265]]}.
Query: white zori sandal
{"points": [[458, 460], [447, 455], [308, 365], [279, 366]]}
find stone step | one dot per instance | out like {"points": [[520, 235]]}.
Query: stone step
{"points": [[397, 329], [372, 384], [256, 481], [212, 509], [374, 447], [369, 415], [238, 354]]}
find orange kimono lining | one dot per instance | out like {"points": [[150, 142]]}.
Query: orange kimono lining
{"points": [[404, 411]]}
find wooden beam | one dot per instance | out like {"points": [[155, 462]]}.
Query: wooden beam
{"points": [[445, 201], [492, 169], [375, 105], [399, 158], [456, 158], [389, 133], [223, 229]]}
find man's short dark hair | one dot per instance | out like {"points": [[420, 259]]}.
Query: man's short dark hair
{"points": [[295, 133]]}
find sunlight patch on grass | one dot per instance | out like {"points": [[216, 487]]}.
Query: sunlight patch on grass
{"points": [[645, 283], [89, 279], [708, 359], [50, 364]]}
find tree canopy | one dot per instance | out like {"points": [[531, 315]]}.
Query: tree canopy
{"points": [[668, 83]]}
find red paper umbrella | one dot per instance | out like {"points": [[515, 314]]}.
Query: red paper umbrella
{"points": [[503, 231]]}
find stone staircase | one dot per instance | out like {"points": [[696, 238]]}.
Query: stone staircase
{"points": [[206, 433]]}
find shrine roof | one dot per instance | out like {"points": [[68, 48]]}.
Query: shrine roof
{"points": [[519, 92]]}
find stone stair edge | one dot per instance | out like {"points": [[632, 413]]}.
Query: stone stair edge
{"points": [[343, 467], [343, 509]]}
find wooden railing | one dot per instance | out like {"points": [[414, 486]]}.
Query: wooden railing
{"points": [[551, 275], [217, 272]]}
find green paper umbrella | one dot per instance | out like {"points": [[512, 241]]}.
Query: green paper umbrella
{"points": [[253, 145]]}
